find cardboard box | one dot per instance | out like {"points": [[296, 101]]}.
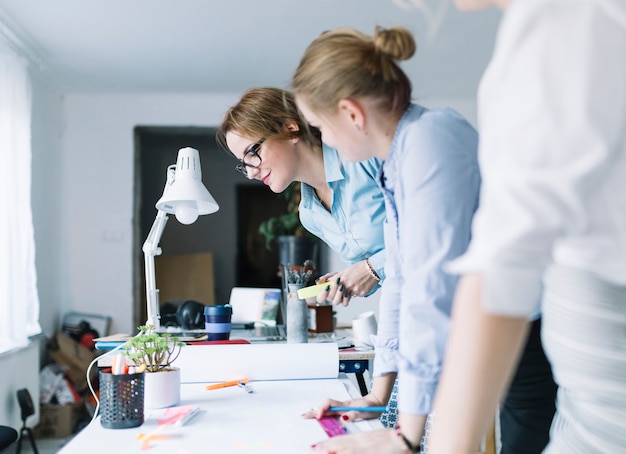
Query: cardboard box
{"points": [[76, 357], [58, 421]]}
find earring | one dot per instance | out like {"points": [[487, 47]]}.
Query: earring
{"points": [[357, 126]]}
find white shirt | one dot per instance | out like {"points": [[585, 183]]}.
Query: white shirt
{"points": [[552, 152]]}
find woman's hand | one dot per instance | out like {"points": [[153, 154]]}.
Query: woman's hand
{"points": [[366, 401], [355, 280], [374, 442]]}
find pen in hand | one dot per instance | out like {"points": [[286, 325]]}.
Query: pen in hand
{"points": [[360, 409]]}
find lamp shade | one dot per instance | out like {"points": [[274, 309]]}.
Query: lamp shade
{"points": [[187, 197]]}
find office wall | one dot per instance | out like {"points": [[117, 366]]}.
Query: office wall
{"points": [[95, 184], [24, 366], [97, 191]]}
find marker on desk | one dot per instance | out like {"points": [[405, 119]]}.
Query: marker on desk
{"points": [[360, 409], [226, 384], [245, 387], [188, 417]]}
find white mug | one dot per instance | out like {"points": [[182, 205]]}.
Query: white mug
{"points": [[363, 327]]}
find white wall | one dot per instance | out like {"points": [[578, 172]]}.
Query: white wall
{"points": [[83, 214], [23, 364], [97, 191]]}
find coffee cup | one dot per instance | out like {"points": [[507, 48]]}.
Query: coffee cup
{"points": [[364, 326], [218, 321]]}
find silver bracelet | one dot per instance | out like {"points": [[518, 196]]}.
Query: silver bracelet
{"points": [[371, 270]]}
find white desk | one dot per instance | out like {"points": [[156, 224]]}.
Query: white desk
{"points": [[233, 421]]}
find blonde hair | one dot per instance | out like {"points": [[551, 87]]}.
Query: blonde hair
{"points": [[346, 64], [266, 113]]}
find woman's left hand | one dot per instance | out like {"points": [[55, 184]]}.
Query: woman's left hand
{"points": [[375, 442]]}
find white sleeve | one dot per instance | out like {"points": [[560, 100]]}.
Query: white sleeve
{"points": [[551, 113]]}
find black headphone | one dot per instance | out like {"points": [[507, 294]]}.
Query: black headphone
{"points": [[187, 315]]}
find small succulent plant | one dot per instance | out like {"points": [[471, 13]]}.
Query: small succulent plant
{"points": [[157, 351], [302, 275]]}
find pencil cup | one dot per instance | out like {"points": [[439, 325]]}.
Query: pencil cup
{"points": [[218, 321], [121, 400], [297, 317]]}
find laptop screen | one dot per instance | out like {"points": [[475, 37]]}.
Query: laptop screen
{"points": [[252, 305]]}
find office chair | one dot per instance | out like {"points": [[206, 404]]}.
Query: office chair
{"points": [[8, 435], [28, 409]]}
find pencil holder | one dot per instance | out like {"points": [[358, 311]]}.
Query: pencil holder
{"points": [[121, 400]]}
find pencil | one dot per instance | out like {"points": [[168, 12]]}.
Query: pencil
{"points": [[361, 409], [226, 384]]}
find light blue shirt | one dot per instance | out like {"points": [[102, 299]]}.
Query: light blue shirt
{"points": [[431, 183], [354, 226]]}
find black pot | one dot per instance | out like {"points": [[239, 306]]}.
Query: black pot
{"points": [[294, 250]]}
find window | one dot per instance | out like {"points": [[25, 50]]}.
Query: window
{"points": [[19, 301]]}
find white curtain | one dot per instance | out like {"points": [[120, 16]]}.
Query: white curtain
{"points": [[19, 301]]}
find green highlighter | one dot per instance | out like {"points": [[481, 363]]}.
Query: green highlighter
{"points": [[313, 290]]}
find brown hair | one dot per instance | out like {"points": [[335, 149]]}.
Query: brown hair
{"points": [[346, 64], [266, 112]]}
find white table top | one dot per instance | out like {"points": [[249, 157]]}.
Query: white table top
{"points": [[231, 421]]}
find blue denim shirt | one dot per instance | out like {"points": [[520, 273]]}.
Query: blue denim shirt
{"points": [[431, 183], [354, 226]]}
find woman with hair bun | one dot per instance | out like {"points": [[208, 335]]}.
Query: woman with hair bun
{"points": [[350, 87]]}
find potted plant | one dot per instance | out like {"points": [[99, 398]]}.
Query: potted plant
{"points": [[295, 243], [155, 352], [287, 223]]}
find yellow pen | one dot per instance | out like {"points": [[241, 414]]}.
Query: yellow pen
{"points": [[226, 384]]}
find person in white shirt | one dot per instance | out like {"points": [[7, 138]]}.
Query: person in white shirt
{"points": [[551, 227]]}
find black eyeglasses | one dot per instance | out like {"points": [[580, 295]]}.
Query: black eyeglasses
{"points": [[250, 158]]}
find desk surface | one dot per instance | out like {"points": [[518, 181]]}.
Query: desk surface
{"points": [[231, 421]]}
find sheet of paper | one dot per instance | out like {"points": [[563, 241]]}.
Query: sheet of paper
{"points": [[213, 363]]}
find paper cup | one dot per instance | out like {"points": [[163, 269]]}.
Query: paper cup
{"points": [[363, 327]]}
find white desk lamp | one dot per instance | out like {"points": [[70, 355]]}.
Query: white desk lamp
{"points": [[184, 196]]}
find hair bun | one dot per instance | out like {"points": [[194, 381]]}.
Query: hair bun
{"points": [[396, 42]]}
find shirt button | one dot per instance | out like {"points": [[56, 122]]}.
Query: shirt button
{"points": [[348, 236]]}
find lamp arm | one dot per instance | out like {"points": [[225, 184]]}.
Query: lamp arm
{"points": [[150, 250]]}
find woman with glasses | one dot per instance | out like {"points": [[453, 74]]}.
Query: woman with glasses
{"points": [[341, 201]]}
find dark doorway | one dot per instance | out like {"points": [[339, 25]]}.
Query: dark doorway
{"points": [[256, 265], [239, 254]]}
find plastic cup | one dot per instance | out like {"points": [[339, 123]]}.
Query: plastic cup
{"points": [[218, 321]]}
